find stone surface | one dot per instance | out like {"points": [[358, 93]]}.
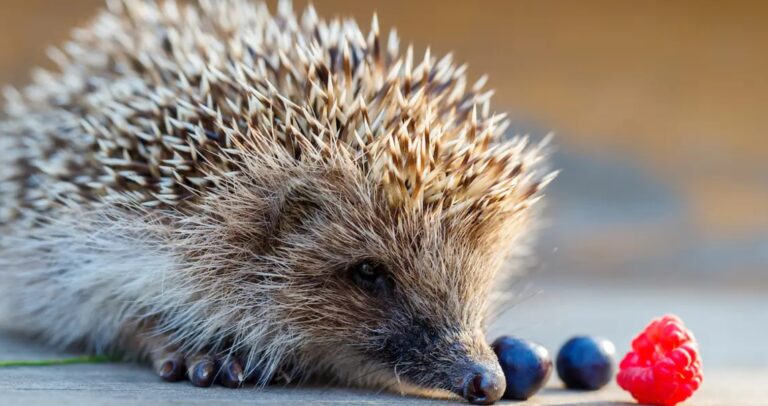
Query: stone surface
{"points": [[730, 326]]}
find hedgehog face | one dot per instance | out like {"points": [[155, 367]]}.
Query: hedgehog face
{"points": [[432, 333], [384, 297]]}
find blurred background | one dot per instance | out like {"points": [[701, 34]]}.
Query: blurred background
{"points": [[659, 109]]}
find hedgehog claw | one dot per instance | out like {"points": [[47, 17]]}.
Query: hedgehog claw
{"points": [[232, 374], [171, 370], [202, 372]]}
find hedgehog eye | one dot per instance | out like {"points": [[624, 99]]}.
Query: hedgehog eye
{"points": [[372, 277]]}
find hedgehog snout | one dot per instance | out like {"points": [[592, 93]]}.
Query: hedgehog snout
{"points": [[483, 384]]}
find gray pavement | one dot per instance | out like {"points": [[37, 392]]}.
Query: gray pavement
{"points": [[730, 325]]}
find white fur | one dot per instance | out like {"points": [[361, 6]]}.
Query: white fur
{"points": [[80, 277]]}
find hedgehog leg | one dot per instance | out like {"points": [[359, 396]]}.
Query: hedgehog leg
{"points": [[172, 364]]}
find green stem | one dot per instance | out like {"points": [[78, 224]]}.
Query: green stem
{"points": [[86, 359]]}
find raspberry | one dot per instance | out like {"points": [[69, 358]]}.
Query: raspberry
{"points": [[663, 368]]}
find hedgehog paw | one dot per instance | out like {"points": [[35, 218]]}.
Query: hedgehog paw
{"points": [[202, 370]]}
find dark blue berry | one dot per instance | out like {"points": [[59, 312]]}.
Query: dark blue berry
{"points": [[586, 362], [526, 366]]}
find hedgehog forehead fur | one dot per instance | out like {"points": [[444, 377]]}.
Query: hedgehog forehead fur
{"points": [[265, 154]]}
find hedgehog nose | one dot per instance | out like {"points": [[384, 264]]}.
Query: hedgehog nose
{"points": [[484, 387]]}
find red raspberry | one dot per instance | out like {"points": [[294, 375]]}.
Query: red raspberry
{"points": [[663, 368]]}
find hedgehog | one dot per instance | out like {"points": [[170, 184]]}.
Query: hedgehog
{"points": [[230, 196]]}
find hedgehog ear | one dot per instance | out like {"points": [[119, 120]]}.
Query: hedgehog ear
{"points": [[294, 205]]}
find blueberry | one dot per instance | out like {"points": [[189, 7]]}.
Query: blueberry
{"points": [[526, 366], [586, 362]]}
